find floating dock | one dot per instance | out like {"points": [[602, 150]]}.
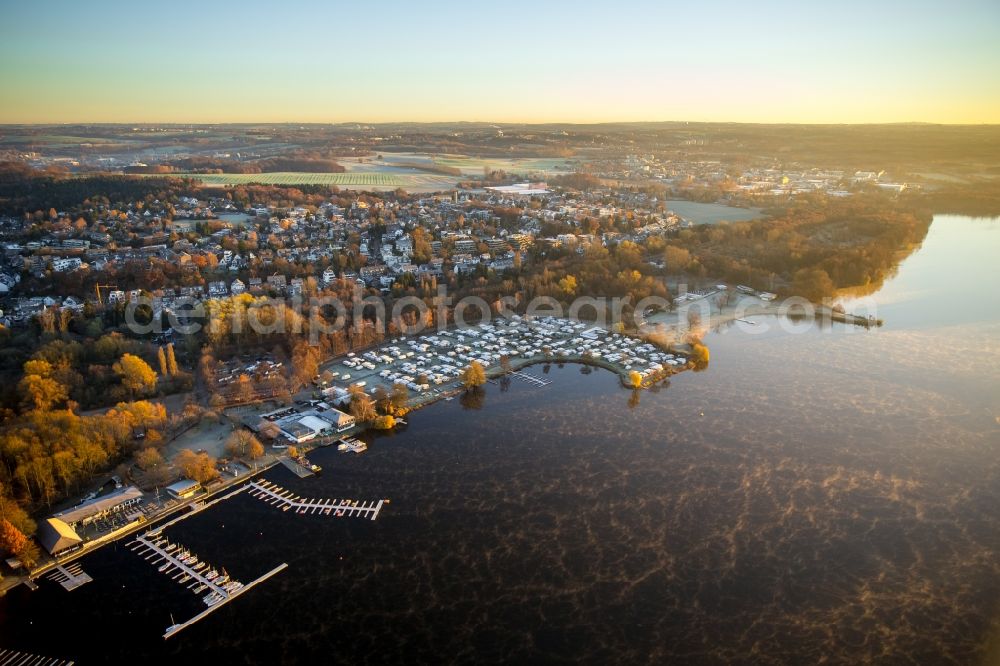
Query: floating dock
{"points": [[192, 510], [174, 628], [338, 508], [531, 379], [299, 470], [186, 569], [70, 577], [15, 658], [351, 444]]}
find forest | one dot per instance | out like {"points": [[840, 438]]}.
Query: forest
{"points": [[811, 247], [27, 191], [267, 165]]}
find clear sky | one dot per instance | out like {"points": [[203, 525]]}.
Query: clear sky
{"points": [[382, 60]]}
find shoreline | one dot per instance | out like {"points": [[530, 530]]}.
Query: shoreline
{"points": [[167, 514], [419, 402]]}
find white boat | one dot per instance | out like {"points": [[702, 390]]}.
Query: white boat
{"points": [[212, 598]]}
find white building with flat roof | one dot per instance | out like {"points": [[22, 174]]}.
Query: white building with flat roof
{"points": [[183, 489]]}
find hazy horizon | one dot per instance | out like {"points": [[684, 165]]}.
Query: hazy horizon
{"points": [[309, 62], [250, 123]]}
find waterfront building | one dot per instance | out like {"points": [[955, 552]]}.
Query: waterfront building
{"points": [[89, 511], [57, 537], [183, 489]]}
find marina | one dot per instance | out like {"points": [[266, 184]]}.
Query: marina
{"points": [[185, 568], [287, 501]]}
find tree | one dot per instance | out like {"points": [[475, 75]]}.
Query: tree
{"points": [[244, 444], [386, 422], [676, 258], [14, 512], [197, 466], [154, 437], [400, 396], [39, 367], [699, 356], [635, 379], [362, 407], [171, 360], [156, 476], [293, 452], [136, 375], [148, 458], [41, 393], [382, 399], [255, 449], [813, 284], [474, 375], [568, 285], [162, 357], [141, 413], [12, 540], [244, 390]]}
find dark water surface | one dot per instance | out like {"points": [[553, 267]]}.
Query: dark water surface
{"points": [[831, 496]]}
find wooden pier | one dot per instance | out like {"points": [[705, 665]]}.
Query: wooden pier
{"points": [[338, 508], [70, 577]]}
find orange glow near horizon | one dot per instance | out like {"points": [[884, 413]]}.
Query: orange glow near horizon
{"points": [[110, 61]]}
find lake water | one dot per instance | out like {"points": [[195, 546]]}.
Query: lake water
{"points": [[831, 496]]}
